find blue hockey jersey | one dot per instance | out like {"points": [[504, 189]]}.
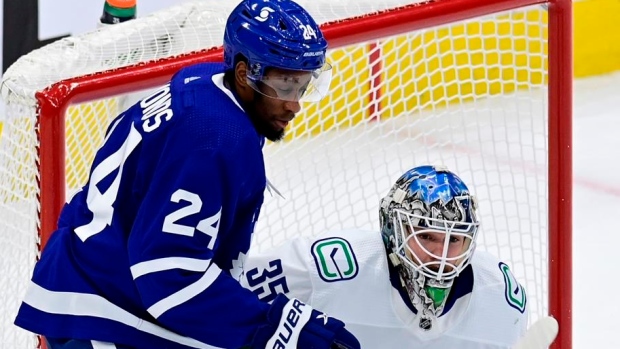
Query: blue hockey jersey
{"points": [[143, 253]]}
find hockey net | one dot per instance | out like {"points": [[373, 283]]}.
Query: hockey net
{"points": [[482, 86]]}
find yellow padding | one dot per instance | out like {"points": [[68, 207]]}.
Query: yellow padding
{"points": [[596, 33], [433, 68]]}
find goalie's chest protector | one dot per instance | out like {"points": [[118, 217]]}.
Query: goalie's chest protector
{"points": [[350, 281]]}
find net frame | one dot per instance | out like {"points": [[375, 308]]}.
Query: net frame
{"points": [[52, 104]]}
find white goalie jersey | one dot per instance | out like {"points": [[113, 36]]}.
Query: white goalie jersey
{"points": [[346, 275]]}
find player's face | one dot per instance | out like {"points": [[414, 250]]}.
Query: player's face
{"points": [[274, 106], [427, 248]]}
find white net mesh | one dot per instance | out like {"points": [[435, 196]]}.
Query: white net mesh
{"points": [[471, 95]]}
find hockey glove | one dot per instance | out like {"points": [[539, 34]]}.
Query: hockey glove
{"points": [[295, 325]]}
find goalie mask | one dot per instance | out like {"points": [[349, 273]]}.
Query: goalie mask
{"points": [[429, 227]]}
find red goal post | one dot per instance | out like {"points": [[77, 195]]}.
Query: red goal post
{"points": [[371, 30]]}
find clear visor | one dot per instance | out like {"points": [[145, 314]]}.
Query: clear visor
{"points": [[437, 248], [294, 86]]}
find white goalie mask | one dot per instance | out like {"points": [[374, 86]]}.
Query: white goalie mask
{"points": [[429, 226]]}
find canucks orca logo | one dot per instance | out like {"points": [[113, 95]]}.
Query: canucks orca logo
{"points": [[514, 292]]}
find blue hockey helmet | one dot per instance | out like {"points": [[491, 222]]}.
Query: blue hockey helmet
{"points": [[279, 34], [428, 220]]}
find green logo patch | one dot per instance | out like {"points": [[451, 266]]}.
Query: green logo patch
{"points": [[514, 292], [334, 259]]}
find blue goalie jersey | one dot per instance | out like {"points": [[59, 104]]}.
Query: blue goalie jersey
{"points": [[147, 254]]}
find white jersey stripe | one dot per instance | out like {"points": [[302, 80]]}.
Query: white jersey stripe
{"points": [[162, 264], [102, 345], [84, 304], [185, 294]]}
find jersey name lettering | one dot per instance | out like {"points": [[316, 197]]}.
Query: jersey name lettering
{"points": [[155, 107]]}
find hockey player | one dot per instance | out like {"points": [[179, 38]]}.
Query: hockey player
{"points": [[417, 284], [146, 254]]}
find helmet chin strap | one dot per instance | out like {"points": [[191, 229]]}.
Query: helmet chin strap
{"points": [[427, 295]]}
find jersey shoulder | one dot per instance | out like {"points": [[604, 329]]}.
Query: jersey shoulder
{"points": [[350, 268], [318, 269], [339, 255], [494, 277], [204, 112], [497, 310]]}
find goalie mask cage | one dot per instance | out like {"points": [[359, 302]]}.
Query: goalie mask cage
{"points": [[482, 86]]}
